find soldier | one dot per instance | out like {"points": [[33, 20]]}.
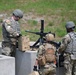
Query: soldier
{"points": [[69, 47], [11, 32], [46, 58]]}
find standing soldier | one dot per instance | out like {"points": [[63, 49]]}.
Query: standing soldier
{"points": [[69, 47], [11, 32], [46, 58]]}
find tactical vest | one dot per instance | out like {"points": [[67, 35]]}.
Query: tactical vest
{"points": [[71, 47], [14, 24], [48, 55]]}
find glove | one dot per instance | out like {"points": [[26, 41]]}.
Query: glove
{"points": [[35, 68], [19, 35]]}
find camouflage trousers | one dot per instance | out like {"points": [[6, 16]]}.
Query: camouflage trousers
{"points": [[8, 49], [48, 69], [70, 65]]}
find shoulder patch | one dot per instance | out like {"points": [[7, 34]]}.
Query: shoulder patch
{"points": [[66, 36], [8, 22]]}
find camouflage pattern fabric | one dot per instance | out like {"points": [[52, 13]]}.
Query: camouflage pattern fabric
{"points": [[69, 64], [49, 68], [10, 31], [34, 73], [10, 28], [8, 49]]}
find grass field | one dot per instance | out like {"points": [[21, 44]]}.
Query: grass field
{"points": [[55, 13]]}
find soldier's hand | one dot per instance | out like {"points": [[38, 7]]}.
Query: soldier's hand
{"points": [[19, 35], [35, 68]]}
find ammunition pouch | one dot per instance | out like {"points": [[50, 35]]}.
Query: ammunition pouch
{"points": [[41, 60]]}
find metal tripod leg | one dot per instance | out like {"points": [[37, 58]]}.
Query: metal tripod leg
{"points": [[36, 42]]}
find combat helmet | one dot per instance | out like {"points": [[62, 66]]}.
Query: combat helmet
{"points": [[18, 13], [49, 37], [70, 24]]}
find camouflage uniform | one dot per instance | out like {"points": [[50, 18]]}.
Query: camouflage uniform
{"points": [[11, 32], [34, 73], [69, 47], [10, 29], [66, 46], [49, 68]]}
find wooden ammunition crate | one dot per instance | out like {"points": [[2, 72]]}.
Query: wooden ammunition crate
{"points": [[24, 43]]}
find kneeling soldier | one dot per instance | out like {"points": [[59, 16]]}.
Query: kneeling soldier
{"points": [[46, 58]]}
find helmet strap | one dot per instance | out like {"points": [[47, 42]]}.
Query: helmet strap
{"points": [[70, 30]]}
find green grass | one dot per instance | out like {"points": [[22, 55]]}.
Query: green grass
{"points": [[32, 22], [56, 13], [39, 6]]}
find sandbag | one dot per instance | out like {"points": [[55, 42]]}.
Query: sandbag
{"points": [[24, 43]]}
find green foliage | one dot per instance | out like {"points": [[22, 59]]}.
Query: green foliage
{"points": [[39, 6], [50, 24], [32, 22], [56, 13], [60, 32]]}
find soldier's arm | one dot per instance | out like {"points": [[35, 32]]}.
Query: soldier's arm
{"points": [[41, 51], [9, 28], [64, 43]]}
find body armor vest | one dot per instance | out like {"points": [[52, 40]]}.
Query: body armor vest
{"points": [[71, 47], [14, 24]]}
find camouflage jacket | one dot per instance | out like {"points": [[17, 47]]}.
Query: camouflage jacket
{"points": [[68, 43], [44, 47], [10, 28]]}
